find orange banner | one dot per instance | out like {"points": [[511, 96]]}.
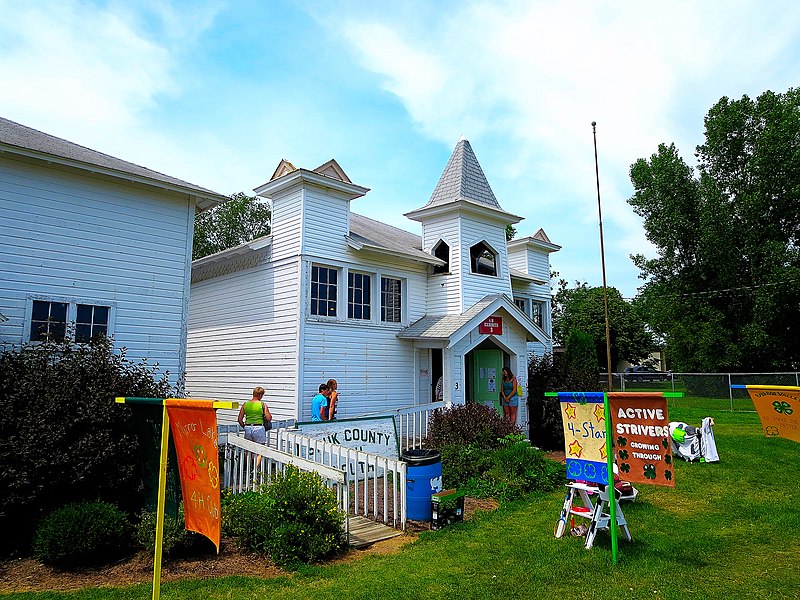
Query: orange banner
{"points": [[194, 431], [641, 437], [778, 408]]}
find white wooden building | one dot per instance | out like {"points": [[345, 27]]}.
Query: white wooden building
{"points": [[333, 294], [90, 243]]}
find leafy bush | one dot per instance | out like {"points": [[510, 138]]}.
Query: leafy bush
{"points": [[516, 468], [295, 519], [176, 539], [460, 463], [64, 438], [467, 424], [83, 534]]}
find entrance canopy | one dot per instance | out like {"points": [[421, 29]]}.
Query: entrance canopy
{"points": [[438, 331]]}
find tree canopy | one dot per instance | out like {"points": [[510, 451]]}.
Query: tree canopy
{"points": [[723, 289], [239, 220], [581, 309]]}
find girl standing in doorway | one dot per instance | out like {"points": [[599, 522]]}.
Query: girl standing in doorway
{"points": [[508, 396]]}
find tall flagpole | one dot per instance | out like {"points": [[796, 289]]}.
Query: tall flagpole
{"points": [[602, 259]]}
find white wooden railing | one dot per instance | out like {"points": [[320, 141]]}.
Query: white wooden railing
{"points": [[366, 484]]}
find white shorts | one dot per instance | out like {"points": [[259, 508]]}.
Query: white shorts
{"points": [[255, 433]]}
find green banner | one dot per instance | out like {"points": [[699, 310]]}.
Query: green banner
{"points": [[147, 420]]}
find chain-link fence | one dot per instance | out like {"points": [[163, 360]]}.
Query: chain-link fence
{"points": [[703, 389]]}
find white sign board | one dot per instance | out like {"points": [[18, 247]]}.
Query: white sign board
{"points": [[376, 435]]}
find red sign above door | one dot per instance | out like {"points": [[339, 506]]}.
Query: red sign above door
{"points": [[492, 326]]}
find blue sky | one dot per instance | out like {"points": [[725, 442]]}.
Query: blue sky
{"points": [[216, 93]]}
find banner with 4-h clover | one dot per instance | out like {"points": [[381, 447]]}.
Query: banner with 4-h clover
{"points": [[778, 408], [640, 427]]}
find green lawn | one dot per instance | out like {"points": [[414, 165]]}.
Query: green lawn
{"points": [[728, 530]]}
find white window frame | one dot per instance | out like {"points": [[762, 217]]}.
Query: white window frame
{"points": [[543, 313], [526, 305], [72, 314], [339, 277], [370, 300], [402, 295]]}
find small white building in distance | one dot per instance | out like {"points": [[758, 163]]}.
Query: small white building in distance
{"points": [[331, 294]]}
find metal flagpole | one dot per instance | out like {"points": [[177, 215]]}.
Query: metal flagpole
{"points": [[602, 260]]}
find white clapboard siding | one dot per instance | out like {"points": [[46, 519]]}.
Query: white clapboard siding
{"points": [[474, 286], [90, 239], [444, 290], [326, 222], [287, 223], [243, 332], [374, 370]]}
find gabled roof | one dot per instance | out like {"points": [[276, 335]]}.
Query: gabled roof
{"points": [[451, 328], [332, 169], [379, 237], [463, 179], [21, 140]]}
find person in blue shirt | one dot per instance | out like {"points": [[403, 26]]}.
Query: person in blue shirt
{"points": [[319, 405]]}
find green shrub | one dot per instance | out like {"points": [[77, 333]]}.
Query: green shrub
{"points": [[516, 468], [83, 534], [64, 438], [176, 539], [467, 424], [295, 519], [460, 463]]}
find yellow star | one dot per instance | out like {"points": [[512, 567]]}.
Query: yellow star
{"points": [[599, 413], [570, 410], [575, 449], [603, 451]]}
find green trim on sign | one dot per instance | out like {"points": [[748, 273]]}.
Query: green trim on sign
{"points": [[673, 394], [551, 394]]}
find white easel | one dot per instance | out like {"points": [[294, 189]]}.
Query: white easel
{"points": [[597, 512]]}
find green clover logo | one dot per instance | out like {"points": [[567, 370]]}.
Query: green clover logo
{"points": [[650, 471], [625, 467], [668, 459], [782, 407], [668, 475], [621, 441], [623, 454], [665, 443]]}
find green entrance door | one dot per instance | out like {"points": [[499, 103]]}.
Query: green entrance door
{"points": [[487, 373]]}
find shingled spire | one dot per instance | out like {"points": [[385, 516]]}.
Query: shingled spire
{"points": [[463, 179]]}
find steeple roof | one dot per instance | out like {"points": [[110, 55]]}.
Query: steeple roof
{"points": [[463, 179]]}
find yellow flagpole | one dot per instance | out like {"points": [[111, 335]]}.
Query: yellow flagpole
{"points": [[162, 492]]}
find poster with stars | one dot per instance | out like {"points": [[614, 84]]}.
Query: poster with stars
{"points": [[641, 437], [583, 416]]}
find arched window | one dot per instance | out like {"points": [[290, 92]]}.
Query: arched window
{"points": [[442, 251], [483, 259]]}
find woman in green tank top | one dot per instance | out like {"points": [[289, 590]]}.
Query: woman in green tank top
{"points": [[253, 416]]}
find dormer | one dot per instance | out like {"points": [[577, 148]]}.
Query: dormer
{"points": [[464, 214], [307, 202]]}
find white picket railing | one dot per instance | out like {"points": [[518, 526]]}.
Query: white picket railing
{"points": [[366, 484], [379, 482]]}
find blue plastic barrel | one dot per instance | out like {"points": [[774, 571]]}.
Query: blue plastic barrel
{"points": [[423, 478]]}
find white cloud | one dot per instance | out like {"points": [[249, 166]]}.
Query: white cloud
{"points": [[528, 78]]}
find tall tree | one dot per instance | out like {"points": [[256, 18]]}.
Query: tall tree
{"points": [[239, 220], [723, 289], [581, 309]]}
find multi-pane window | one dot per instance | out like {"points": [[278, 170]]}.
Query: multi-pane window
{"points": [[522, 304], [48, 320], [359, 294], [90, 321], [538, 313], [391, 300], [324, 291]]}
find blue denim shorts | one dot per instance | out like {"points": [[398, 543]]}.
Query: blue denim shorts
{"points": [[513, 402]]}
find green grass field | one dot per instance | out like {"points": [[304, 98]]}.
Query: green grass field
{"points": [[727, 530]]}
